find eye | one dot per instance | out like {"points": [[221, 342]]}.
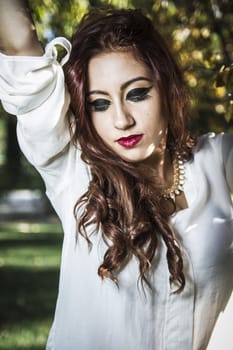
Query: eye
{"points": [[138, 94], [99, 105]]}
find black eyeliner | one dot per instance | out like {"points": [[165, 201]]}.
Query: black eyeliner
{"points": [[138, 92], [99, 105]]}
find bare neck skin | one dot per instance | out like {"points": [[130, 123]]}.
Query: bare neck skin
{"points": [[159, 165], [161, 169]]}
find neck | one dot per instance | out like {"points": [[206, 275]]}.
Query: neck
{"points": [[160, 168]]}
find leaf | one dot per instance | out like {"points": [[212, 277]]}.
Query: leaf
{"points": [[229, 113]]}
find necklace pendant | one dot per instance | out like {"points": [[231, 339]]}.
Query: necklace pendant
{"points": [[173, 196]]}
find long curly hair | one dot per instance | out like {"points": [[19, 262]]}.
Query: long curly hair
{"points": [[121, 201]]}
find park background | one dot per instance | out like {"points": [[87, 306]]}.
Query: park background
{"points": [[200, 33]]}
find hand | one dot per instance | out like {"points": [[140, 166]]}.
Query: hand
{"points": [[17, 31]]}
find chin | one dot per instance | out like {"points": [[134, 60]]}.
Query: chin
{"points": [[135, 155], [135, 159]]}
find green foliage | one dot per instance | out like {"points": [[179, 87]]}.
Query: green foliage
{"points": [[54, 18], [224, 80], [29, 263]]}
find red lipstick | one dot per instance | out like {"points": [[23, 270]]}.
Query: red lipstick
{"points": [[130, 141]]}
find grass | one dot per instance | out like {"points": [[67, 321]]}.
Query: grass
{"points": [[29, 271]]}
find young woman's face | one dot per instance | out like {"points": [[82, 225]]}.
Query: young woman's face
{"points": [[125, 106]]}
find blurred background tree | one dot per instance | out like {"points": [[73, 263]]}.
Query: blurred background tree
{"points": [[199, 33]]}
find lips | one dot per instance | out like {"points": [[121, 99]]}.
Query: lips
{"points": [[130, 141]]}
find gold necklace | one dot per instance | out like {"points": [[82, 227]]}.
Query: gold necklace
{"points": [[178, 180]]}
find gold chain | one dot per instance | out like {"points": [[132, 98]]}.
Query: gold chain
{"points": [[178, 179]]}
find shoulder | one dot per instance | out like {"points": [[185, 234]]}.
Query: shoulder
{"points": [[213, 147], [207, 149], [212, 142], [205, 141], [208, 143]]}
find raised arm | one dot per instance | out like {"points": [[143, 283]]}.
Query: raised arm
{"points": [[17, 30], [33, 88]]}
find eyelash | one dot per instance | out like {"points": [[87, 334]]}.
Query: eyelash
{"points": [[99, 105], [138, 94], [134, 95]]}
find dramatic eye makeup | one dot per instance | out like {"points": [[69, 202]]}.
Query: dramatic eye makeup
{"points": [[134, 95], [138, 94], [99, 105]]}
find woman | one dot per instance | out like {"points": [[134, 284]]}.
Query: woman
{"points": [[138, 199]]}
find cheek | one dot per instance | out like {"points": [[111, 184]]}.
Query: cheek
{"points": [[154, 120], [158, 129], [96, 123], [100, 127]]}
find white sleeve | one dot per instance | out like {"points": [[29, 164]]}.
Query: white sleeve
{"points": [[227, 152], [33, 88]]}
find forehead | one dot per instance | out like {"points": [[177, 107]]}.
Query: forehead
{"points": [[114, 68]]}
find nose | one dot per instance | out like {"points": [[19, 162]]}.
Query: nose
{"points": [[123, 118]]}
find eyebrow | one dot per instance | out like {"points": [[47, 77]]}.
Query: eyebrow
{"points": [[123, 86]]}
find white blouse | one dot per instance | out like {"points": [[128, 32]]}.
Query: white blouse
{"points": [[95, 314]]}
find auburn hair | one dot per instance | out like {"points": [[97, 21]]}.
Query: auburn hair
{"points": [[121, 201]]}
